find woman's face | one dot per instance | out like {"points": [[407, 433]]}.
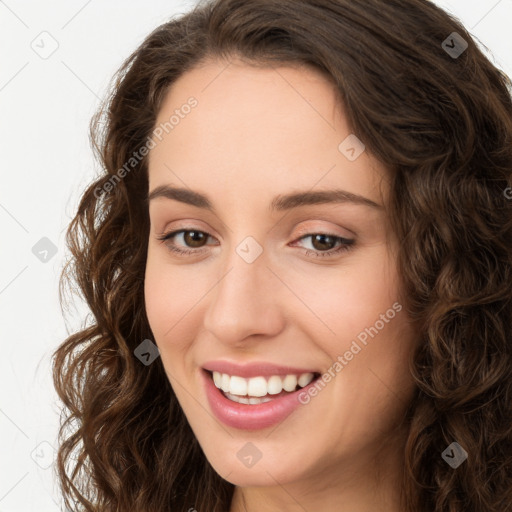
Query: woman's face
{"points": [[273, 288]]}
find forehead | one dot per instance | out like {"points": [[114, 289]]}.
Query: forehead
{"points": [[256, 127]]}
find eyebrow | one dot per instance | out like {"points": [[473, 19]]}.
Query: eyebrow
{"points": [[279, 203]]}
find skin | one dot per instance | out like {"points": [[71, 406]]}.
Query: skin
{"points": [[258, 132]]}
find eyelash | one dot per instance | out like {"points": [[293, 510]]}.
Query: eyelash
{"points": [[346, 244]]}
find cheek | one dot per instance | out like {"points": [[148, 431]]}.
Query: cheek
{"points": [[168, 297], [357, 315], [347, 301]]}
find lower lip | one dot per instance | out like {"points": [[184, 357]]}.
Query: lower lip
{"points": [[250, 417]]}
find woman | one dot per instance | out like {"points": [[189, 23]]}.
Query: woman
{"points": [[299, 261]]}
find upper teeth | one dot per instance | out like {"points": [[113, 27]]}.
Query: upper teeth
{"points": [[259, 386]]}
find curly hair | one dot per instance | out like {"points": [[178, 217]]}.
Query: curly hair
{"points": [[441, 123]]}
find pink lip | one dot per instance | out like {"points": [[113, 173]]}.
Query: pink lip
{"points": [[251, 417], [255, 369]]}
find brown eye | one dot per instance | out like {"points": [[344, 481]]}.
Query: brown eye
{"points": [[194, 238], [323, 242], [185, 241]]}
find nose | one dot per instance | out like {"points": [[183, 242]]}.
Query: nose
{"points": [[244, 302]]}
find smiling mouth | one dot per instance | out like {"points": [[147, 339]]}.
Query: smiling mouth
{"points": [[260, 389]]}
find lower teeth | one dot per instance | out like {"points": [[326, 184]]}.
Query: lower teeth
{"points": [[247, 400]]}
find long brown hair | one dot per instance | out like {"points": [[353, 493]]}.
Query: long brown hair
{"points": [[442, 123]]}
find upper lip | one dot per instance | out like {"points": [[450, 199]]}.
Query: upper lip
{"points": [[254, 369]]}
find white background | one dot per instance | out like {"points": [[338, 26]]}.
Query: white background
{"points": [[46, 105]]}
